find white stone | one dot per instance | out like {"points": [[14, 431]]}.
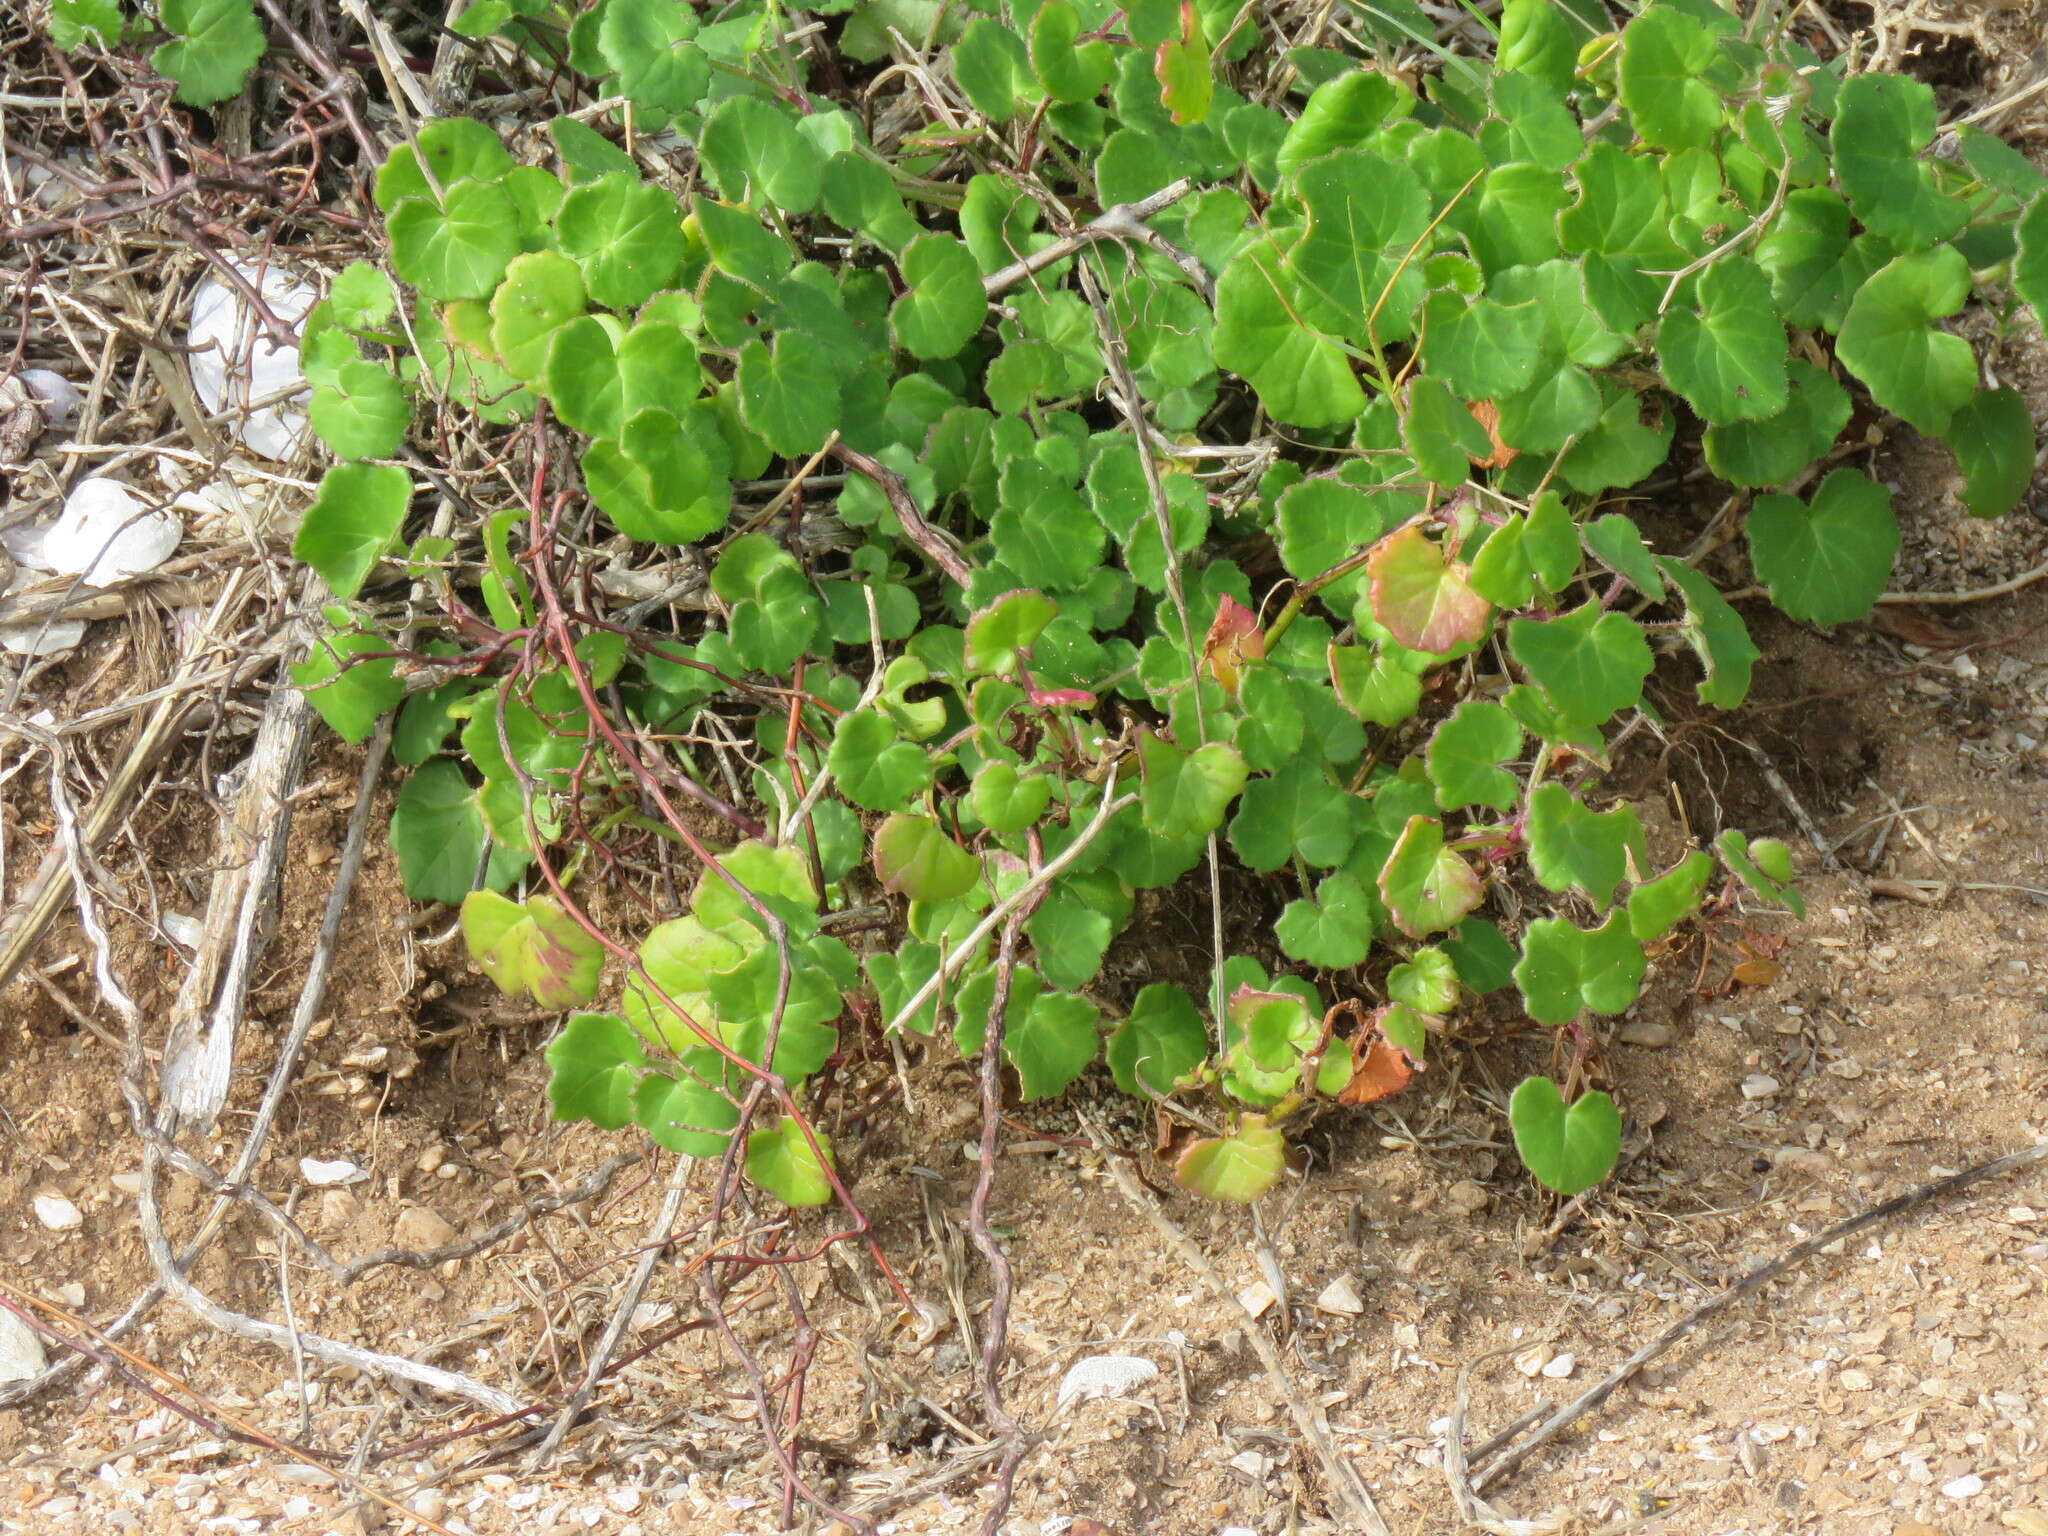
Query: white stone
{"points": [[57, 1213], [21, 1349], [1341, 1297], [107, 533], [1560, 1367], [1760, 1085], [1968, 1486], [242, 365], [1105, 1376], [1257, 1298], [325, 1173], [1256, 1464]]}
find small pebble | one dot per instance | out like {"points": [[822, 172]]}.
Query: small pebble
{"points": [[420, 1228], [57, 1213], [1760, 1085], [21, 1349], [1560, 1367], [1257, 1298], [1968, 1486], [326, 1173]]}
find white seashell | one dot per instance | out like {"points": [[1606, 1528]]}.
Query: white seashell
{"points": [[57, 1213], [325, 1173], [242, 365], [21, 1350], [107, 534], [1105, 1376], [59, 396]]}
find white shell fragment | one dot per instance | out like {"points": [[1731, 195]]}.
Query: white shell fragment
{"points": [[1105, 1376], [326, 1173], [21, 1351], [242, 366], [57, 1213], [107, 534], [39, 639], [57, 395], [1340, 1298]]}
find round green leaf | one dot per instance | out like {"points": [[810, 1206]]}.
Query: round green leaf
{"points": [[876, 769], [915, 857], [1882, 124], [362, 413], [1464, 758], [1239, 1167], [753, 148], [790, 396], [1992, 437], [1159, 1043], [1590, 663], [1889, 341], [437, 833], [626, 235], [1727, 357], [458, 250], [1827, 560], [541, 293], [593, 1065], [781, 1160], [1663, 55], [1005, 801], [1427, 887], [353, 522], [1569, 1150], [945, 305]]}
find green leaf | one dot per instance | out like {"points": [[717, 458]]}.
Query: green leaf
{"points": [[1482, 349], [740, 246], [1339, 113], [1882, 124], [683, 1115], [1589, 663], [1070, 938], [992, 67], [361, 297], [1888, 338], [531, 947], [593, 1065], [218, 43], [1186, 793], [1619, 449], [876, 769], [1301, 376], [1419, 597], [1536, 40], [1573, 847], [1618, 544], [1294, 811], [362, 413], [73, 22], [1181, 65], [1773, 450], [2030, 265], [999, 636], [1427, 887], [352, 696], [648, 44], [1005, 801], [781, 1160], [353, 523], [945, 305], [1373, 685], [1322, 522], [626, 235], [1440, 434], [1485, 960], [1727, 357], [459, 249], [454, 149], [1765, 866], [1663, 56], [1358, 266], [1428, 982], [1564, 969], [1538, 126], [1569, 1150], [753, 148], [541, 293], [914, 857], [1825, 561], [1334, 931], [1068, 72], [1239, 1167], [1802, 255], [1051, 1042], [1992, 437], [789, 396], [1717, 635], [437, 833], [1465, 754], [1161, 1042], [1657, 906]]}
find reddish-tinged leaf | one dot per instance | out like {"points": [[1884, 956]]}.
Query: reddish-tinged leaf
{"points": [[1234, 639], [1061, 698], [1487, 414], [1378, 1072], [1420, 597], [1182, 68]]}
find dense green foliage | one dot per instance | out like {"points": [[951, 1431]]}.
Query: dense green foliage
{"points": [[1277, 548]]}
